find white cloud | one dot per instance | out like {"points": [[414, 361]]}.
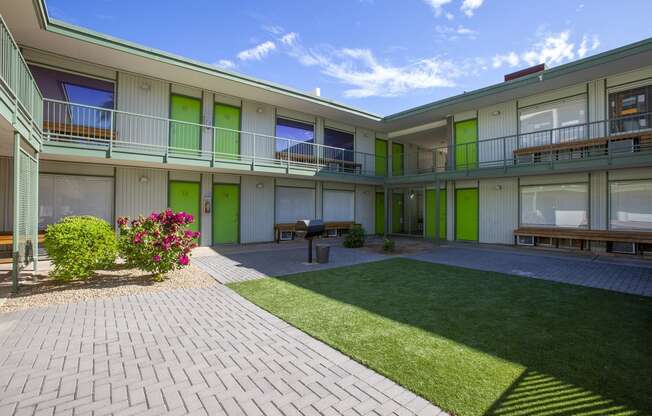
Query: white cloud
{"points": [[289, 39], [258, 52], [273, 29], [437, 5], [470, 6], [452, 33], [551, 49], [225, 64]]}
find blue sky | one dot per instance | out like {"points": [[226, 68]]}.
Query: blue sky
{"points": [[382, 56]]}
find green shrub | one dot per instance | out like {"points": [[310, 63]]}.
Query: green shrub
{"points": [[388, 245], [80, 245], [355, 238]]}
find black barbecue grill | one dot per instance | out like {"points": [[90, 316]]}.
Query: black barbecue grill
{"points": [[309, 229]]}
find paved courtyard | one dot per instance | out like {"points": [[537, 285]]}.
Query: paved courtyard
{"points": [[196, 351]]}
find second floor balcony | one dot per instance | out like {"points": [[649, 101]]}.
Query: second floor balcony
{"points": [[70, 128]]}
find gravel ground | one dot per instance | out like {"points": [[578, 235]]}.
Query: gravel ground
{"points": [[104, 284]]}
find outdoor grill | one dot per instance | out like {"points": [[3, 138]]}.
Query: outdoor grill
{"points": [[309, 229]]}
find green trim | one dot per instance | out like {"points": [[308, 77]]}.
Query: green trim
{"points": [[466, 214], [221, 221], [196, 225], [379, 213]]}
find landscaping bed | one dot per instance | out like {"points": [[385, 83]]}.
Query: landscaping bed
{"points": [[475, 342], [103, 284]]}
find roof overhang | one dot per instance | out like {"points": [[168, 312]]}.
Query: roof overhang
{"points": [[32, 27]]}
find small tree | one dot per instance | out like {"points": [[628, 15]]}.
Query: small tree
{"points": [[159, 243], [79, 245], [355, 238]]}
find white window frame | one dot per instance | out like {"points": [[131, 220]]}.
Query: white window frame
{"points": [[632, 224], [584, 212]]}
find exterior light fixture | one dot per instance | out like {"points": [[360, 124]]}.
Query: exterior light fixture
{"points": [[143, 179], [145, 86], [499, 187], [260, 185], [496, 113], [259, 110]]}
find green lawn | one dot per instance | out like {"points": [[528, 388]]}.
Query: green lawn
{"points": [[477, 343]]}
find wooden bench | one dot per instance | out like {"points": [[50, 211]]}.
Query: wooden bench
{"points": [[584, 235], [331, 225], [78, 130], [7, 239], [345, 165]]}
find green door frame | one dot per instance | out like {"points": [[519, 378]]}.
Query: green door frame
{"points": [[379, 212], [213, 228], [226, 134], [198, 121], [198, 216], [430, 214], [381, 149], [464, 212], [466, 145]]}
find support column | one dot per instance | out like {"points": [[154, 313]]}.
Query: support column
{"points": [[35, 236], [15, 243], [437, 211]]}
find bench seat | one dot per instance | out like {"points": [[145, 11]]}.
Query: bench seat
{"points": [[584, 234], [330, 225]]}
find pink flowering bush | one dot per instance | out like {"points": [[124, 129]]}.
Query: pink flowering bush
{"points": [[159, 243]]}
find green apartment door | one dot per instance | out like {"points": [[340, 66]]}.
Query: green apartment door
{"points": [[397, 212], [185, 137], [184, 196], [397, 159], [466, 144], [466, 214], [430, 214], [380, 213], [226, 213], [381, 157], [226, 142]]}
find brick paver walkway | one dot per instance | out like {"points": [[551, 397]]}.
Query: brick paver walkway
{"points": [[611, 274], [198, 351]]}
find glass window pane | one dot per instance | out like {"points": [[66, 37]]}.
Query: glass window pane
{"points": [[341, 140], [630, 205], [568, 117], [297, 132], [629, 109], [555, 205]]}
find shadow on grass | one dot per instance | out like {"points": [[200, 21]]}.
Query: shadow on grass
{"points": [[581, 351]]}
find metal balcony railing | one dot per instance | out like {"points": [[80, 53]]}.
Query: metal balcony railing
{"points": [[17, 80], [76, 125], [616, 137]]}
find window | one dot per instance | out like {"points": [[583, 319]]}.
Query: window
{"points": [[630, 205], [77, 89], [293, 204], [564, 205], [339, 205], [566, 117], [298, 132], [341, 140], [64, 195], [629, 110]]}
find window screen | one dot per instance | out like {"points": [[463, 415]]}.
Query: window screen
{"points": [[555, 205], [293, 204], [64, 195], [339, 205], [630, 205]]}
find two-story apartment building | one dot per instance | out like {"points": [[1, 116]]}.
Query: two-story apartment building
{"points": [[95, 125]]}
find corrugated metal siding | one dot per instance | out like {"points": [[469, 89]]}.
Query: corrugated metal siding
{"points": [[467, 183], [143, 95], [134, 197], [180, 175], [498, 210], [499, 120], [295, 115], [225, 178], [364, 207], [598, 205], [207, 119], [319, 200], [227, 99], [256, 209], [258, 122], [365, 145], [450, 211], [597, 105], [555, 179], [467, 115], [552, 95], [339, 186], [70, 168], [295, 182], [627, 174], [206, 218], [632, 76], [186, 90], [6, 194]]}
